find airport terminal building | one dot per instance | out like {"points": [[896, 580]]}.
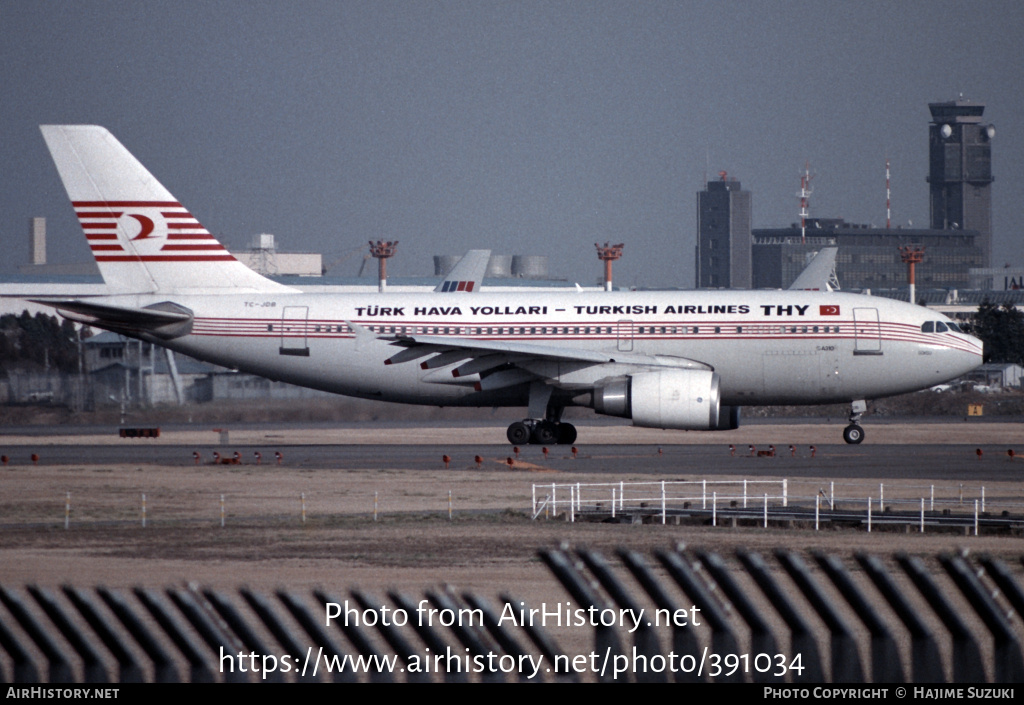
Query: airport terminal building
{"points": [[868, 258]]}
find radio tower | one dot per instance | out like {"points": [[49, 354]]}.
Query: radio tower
{"points": [[805, 196], [888, 213], [381, 251]]}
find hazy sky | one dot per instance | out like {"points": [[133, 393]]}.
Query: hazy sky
{"points": [[523, 127]]}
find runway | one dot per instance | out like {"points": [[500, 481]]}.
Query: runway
{"points": [[921, 451]]}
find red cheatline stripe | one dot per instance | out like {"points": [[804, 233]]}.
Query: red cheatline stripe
{"points": [[191, 247], [181, 214], [101, 214], [184, 226], [99, 226], [190, 236], [100, 236], [126, 204], [98, 248], [167, 258]]}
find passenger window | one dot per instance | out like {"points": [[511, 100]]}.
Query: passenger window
{"points": [[928, 327]]}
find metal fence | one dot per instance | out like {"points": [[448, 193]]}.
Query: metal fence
{"points": [[679, 615], [783, 502]]}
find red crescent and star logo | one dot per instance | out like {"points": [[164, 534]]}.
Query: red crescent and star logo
{"points": [[828, 310], [142, 231], [147, 226]]}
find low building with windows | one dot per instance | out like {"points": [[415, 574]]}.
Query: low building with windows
{"points": [[868, 258]]}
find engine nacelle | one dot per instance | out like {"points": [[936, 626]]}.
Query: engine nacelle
{"points": [[679, 399]]}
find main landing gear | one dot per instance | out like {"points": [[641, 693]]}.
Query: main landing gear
{"points": [[544, 425], [854, 434], [543, 432]]}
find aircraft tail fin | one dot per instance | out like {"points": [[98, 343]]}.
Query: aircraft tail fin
{"points": [[142, 238], [820, 273], [467, 274]]}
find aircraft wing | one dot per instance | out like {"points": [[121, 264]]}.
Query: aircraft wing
{"points": [[164, 320], [467, 274], [493, 364], [820, 274]]}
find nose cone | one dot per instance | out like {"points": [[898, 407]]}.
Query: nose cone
{"points": [[965, 357]]}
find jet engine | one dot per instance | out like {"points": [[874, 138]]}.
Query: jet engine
{"points": [[678, 399]]}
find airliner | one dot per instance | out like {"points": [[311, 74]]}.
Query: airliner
{"points": [[686, 360]]}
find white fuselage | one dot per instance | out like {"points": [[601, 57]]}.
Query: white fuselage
{"points": [[768, 347]]}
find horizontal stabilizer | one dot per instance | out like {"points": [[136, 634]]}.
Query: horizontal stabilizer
{"points": [[164, 320]]}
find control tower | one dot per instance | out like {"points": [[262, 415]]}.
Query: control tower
{"points": [[960, 171]]}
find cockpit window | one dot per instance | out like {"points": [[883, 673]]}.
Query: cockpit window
{"points": [[940, 327], [954, 327], [928, 327]]}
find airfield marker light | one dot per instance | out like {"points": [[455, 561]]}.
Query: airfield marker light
{"points": [[1009, 453], [732, 450], [792, 451], [574, 451], [510, 462], [544, 450], [608, 254], [660, 451], [4, 459], [478, 460], [753, 450], [195, 457], [814, 451], [236, 458], [216, 458], [445, 459], [515, 449], [771, 451], [259, 458], [381, 251], [977, 452], [278, 456], [911, 256], [35, 458]]}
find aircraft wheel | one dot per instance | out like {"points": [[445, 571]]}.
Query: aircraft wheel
{"points": [[545, 433], [566, 434], [853, 434], [518, 434]]}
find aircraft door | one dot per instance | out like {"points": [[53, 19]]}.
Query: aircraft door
{"points": [[867, 332], [624, 336], [293, 331]]}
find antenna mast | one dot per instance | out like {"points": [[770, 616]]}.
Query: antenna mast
{"points": [[888, 212], [805, 196]]}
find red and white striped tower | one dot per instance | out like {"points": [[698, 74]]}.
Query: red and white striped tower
{"points": [[805, 197], [888, 212]]}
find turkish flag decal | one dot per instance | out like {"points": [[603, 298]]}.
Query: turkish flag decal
{"points": [[828, 310]]}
